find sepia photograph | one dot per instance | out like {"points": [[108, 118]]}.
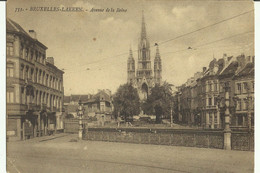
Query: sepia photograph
{"points": [[130, 86]]}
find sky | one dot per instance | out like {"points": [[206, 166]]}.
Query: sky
{"points": [[93, 47]]}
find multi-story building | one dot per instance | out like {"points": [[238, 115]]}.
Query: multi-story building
{"points": [[244, 93], [202, 99], [34, 88]]}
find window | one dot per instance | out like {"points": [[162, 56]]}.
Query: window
{"points": [[31, 55], [240, 120], [26, 53], [22, 95], [238, 105], [10, 95], [47, 77], [239, 88], [21, 51], [10, 70], [40, 57], [210, 101], [215, 87], [244, 104], [144, 54], [27, 72], [36, 56], [9, 49], [22, 71], [210, 87], [32, 74], [244, 87]]}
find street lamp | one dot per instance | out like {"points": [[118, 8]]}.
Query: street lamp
{"points": [[171, 114], [80, 112], [227, 106], [249, 101], [227, 130]]}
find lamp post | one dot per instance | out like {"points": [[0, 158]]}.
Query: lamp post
{"points": [[235, 99], [80, 114], [218, 99], [248, 101], [171, 114], [227, 130]]}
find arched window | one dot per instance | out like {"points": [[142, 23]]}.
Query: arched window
{"points": [[10, 69]]}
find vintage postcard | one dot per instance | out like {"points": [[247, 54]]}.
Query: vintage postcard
{"points": [[130, 86]]}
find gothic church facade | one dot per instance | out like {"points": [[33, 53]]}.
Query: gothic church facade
{"points": [[144, 77]]}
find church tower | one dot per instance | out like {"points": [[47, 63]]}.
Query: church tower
{"points": [[130, 68], [144, 71], [157, 67], [142, 78], [144, 62]]}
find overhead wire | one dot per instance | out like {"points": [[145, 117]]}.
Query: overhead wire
{"points": [[175, 38]]}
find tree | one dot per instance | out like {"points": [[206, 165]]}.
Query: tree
{"points": [[159, 102], [126, 101]]}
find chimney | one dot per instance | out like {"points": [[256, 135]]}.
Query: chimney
{"points": [[50, 60], [33, 34], [248, 59], [204, 69]]}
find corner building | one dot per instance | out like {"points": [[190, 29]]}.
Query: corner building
{"points": [[34, 89], [143, 78]]}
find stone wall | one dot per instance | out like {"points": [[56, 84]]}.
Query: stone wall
{"points": [[188, 138]]}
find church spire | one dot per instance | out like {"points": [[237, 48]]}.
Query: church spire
{"points": [[130, 52], [157, 55], [143, 30]]}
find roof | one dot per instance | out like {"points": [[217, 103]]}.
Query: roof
{"points": [[100, 96], [229, 69], [12, 26], [76, 98], [248, 69]]}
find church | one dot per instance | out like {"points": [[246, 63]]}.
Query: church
{"points": [[144, 78]]}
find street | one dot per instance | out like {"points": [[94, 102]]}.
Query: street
{"points": [[62, 153]]}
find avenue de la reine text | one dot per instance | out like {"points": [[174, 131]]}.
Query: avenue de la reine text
{"points": [[71, 9]]}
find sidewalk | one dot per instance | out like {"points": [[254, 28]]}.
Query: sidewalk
{"points": [[41, 138]]}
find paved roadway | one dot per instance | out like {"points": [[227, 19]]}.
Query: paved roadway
{"points": [[61, 154]]}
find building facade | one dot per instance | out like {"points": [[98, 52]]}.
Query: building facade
{"points": [[34, 86], [142, 77], [201, 100]]}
